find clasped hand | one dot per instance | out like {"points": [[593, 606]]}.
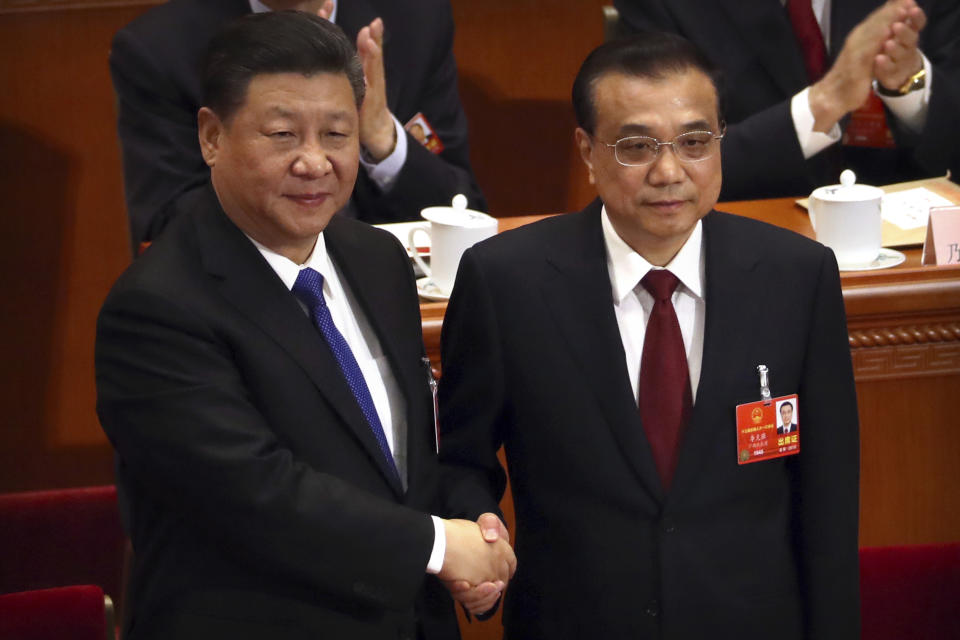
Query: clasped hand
{"points": [[882, 47], [478, 561]]}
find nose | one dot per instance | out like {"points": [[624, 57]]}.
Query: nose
{"points": [[311, 163], [666, 167]]}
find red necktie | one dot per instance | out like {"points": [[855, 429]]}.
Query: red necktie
{"points": [[665, 395], [809, 36]]}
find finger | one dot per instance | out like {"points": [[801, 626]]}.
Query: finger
{"points": [[376, 31], [885, 71], [483, 606], [904, 35], [908, 58], [364, 41], [326, 10], [916, 19], [883, 66], [896, 52], [482, 597]]}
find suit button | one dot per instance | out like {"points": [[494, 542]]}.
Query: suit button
{"points": [[653, 609]]}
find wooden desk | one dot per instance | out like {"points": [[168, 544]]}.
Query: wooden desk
{"points": [[904, 328]]}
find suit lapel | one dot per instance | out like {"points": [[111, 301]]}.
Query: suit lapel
{"points": [[732, 297], [578, 292], [764, 26], [364, 271], [249, 284]]}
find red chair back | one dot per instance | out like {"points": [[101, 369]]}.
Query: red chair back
{"points": [[910, 592], [66, 613], [61, 537]]}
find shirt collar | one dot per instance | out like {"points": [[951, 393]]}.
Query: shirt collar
{"points": [[627, 267], [288, 270], [258, 7]]}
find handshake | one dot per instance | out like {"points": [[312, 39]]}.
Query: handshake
{"points": [[478, 561]]}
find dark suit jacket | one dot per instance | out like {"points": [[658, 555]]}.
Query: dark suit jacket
{"points": [[533, 359], [155, 64], [257, 496], [753, 45], [781, 429]]}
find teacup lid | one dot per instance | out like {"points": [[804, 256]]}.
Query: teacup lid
{"points": [[457, 214], [847, 190]]}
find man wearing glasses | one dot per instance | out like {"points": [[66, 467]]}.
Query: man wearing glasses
{"points": [[608, 350]]}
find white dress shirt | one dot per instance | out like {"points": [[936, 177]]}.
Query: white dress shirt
{"points": [[353, 325], [910, 109], [632, 303], [385, 172]]}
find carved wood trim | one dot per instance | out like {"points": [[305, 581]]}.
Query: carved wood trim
{"points": [[906, 361], [908, 335]]}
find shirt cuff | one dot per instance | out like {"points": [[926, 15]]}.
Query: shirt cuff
{"points": [[384, 173], [911, 109], [811, 142], [435, 564]]}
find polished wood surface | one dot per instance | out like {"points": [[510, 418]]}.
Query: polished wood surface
{"points": [[904, 326]]}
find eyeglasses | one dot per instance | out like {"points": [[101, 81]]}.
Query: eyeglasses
{"points": [[692, 146]]}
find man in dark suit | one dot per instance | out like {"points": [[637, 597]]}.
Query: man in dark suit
{"points": [[788, 131], [616, 404], [260, 374], [407, 50]]}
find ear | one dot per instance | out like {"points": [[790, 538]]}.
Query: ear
{"points": [[210, 129], [585, 145]]}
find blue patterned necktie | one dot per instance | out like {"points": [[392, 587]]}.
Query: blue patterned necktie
{"points": [[309, 290]]}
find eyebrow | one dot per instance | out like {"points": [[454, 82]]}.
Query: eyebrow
{"points": [[280, 111], [283, 112], [633, 129]]}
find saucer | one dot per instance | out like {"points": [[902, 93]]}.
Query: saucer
{"points": [[887, 258], [430, 291]]}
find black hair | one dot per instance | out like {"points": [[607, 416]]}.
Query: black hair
{"points": [[649, 54], [274, 42]]}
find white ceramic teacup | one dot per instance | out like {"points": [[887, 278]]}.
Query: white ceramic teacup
{"points": [[846, 218], [452, 231]]}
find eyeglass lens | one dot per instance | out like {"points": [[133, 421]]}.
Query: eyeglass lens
{"points": [[691, 146]]}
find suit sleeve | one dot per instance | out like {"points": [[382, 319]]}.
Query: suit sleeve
{"points": [[472, 396], [428, 179], [935, 149], [828, 467], [177, 410], [157, 127]]}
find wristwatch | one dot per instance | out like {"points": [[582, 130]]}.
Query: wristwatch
{"points": [[913, 83]]}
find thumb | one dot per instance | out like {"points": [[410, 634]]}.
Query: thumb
{"points": [[493, 529]]}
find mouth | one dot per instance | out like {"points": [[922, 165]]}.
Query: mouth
{"points": [[308, 199], [666, 205]]}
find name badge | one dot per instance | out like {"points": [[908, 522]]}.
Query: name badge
{"points": [[768, 429], [419, 127]]}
